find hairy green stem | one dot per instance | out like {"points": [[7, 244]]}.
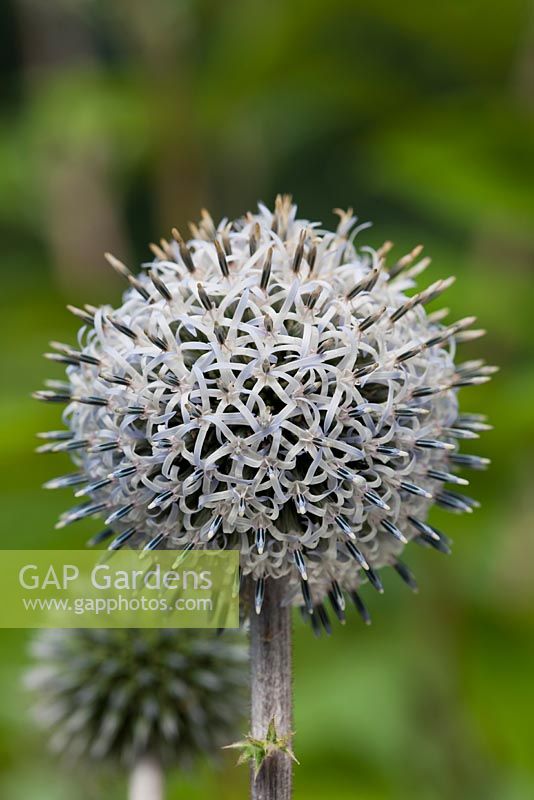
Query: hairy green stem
{"points": [[271, 687]]}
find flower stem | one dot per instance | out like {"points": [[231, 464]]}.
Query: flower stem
{"points": [[146, 780], [270, 658]]}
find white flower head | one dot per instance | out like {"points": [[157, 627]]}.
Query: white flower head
{"points": [[268, 386]]}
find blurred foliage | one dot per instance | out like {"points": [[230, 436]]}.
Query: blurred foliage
{"points": [[119, 118]]}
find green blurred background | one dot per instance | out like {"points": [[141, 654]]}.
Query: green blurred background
{"points": [[120, 118]]}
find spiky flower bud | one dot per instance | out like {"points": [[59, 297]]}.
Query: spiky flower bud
{"points": [[127, 694], [269, 387]]}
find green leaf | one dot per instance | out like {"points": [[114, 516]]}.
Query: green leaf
{"points": [[255, 751]]}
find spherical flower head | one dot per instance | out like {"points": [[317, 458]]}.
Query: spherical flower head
{"points": [[124, 694], [270, 387]]}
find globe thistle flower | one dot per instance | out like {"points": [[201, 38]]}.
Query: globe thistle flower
{"points": [[269, 387], [132, 696]]}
